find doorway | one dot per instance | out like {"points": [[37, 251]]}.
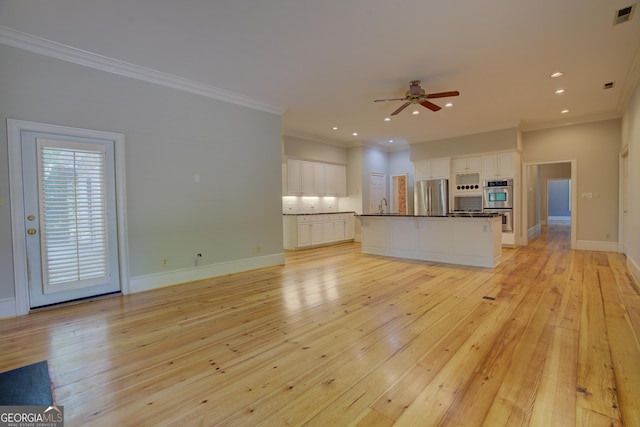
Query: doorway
{"points": [[399, 194], [558, 200], [68, 213], [534, 179]]}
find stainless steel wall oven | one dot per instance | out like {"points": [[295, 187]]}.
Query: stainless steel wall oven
{"points": [[498, 194]]}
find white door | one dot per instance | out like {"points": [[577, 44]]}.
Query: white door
{"points": [[70, 217], [377, 192]]}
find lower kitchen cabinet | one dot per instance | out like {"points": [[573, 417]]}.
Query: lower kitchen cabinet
{"points": [[305, 231]]}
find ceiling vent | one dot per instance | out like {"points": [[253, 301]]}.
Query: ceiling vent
{"points": [[625, 14]]}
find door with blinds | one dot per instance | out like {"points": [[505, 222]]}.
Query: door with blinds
{"points": [[71, 227]]}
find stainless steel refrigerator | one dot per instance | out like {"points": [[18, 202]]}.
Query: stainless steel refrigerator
{"points": [[431, 197]]}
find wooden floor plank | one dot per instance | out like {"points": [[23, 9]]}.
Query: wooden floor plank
{"points": [[551, 336]]}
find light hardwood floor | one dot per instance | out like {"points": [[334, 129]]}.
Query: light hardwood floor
{"points": [[337, 338]]}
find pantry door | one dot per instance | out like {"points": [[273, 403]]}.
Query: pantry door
{"points": [[70, 218]]}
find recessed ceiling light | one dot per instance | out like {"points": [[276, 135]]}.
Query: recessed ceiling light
{"points": [[355, 134], [391, 141], [415, 112], [387, 119], [559, 91], [564, 111], [335, 128], [557, 74], [448, 104]]}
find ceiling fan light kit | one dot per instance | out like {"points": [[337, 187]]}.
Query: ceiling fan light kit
{"points": [[417, 95]]}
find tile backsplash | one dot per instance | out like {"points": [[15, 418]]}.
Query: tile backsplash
{"points": [[305, 205]]}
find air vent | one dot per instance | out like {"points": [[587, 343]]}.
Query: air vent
{"points": [[624, 14], [609, 85]]}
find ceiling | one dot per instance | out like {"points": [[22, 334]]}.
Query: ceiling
{"points": [[322, 63]]}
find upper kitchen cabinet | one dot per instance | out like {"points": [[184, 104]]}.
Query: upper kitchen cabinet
{"points": [[500, 165], [335, 180], [432, 169], [467, 165], [315, 179]]}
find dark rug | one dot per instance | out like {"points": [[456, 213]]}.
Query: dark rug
{"points": [[28, 385]]}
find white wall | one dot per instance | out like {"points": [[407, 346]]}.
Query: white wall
{"points": [[170, 136], [631, 139]]}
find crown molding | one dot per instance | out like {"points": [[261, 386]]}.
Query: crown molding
{"points": [[66, 53], [570, 122]]}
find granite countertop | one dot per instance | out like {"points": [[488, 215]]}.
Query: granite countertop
{"points": [[449, 215], [320, 213]]}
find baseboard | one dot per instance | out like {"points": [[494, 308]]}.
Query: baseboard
{"points": [[634, 268], [559, 218], [7, 308], [161, 280], [534, 231], [591, 245]]}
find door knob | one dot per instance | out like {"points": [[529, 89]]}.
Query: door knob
{"points": [[31, 231]]}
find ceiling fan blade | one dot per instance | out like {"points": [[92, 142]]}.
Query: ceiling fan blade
{"points": [[390, 99], [430, 105], [443, 94], [405, 105]]}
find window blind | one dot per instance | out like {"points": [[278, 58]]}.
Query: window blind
{"points": [[73, 216]]}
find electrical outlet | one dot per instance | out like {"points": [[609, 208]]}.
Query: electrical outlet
{"points": [[164, 262], [256, 250], [607, 236]]}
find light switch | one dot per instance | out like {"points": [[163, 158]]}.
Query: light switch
{"points": [[196, 178]]}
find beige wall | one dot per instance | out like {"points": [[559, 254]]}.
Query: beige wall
{"points": [[305, 149], [500, 140], [595, 147], [170, 136]]}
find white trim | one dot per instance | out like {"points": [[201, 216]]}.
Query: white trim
{"points": [[161, 280], [7, 308], [66, 53], [534, 231], [623, 183], [14, 130], [595, 245], [559, 218]]}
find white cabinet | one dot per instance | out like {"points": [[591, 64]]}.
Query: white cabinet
{"points": [[319, 176], [500, 165], [294, 177], [302, 231], [467, 165], [315, 179], [432, 169], [308, 186], [335, 179], [349, 228]]}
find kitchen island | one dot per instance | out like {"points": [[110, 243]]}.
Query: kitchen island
{"points": [[474, 240]]}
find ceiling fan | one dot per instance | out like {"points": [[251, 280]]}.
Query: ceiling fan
{"points": [[416, 95]]}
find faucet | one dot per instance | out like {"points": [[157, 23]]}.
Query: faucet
{"points": [[385, 203]]}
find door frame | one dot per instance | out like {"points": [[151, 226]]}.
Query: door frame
{"points": [[20, 267], [623, 199], [524, 234]]}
